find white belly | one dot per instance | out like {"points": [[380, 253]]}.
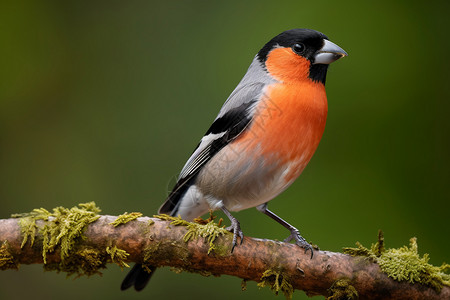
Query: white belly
{"points": [[241, 181]]}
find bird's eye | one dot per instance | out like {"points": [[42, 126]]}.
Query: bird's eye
{"points": [[298, 48]]}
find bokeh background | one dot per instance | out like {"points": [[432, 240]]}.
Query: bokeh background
{"points": [[105, 100]]}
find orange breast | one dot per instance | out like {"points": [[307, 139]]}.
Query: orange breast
{"points": [[288, 125]]}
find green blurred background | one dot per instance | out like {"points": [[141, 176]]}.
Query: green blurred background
{"points": [[105, 101]]}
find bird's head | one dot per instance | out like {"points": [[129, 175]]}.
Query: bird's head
{"points": [[299, 54]]}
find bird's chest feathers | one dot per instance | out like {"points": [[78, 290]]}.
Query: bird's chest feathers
{"points": [[289, 122]]}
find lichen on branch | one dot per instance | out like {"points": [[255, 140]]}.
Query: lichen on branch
{"points": [[342, 289], [78, 241], [404, 263], [6, 258], [125, 218], [207, 229], [62, 227], [118, 256], [62, 230], [277, 281]]}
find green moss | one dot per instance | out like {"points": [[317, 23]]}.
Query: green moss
{"points": [[62, 229], [378, 248], [146, 268], [125, 218], [165, 252], [118, 256], [67, 226], [27, 223], [405, 263], [175, 220], [342, 290], [200, 272], [277, 281], [208, 230], [360, 250], [244, 284], [87, 261], [6, 258], [149, 251]]}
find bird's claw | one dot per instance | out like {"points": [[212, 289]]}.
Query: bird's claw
{"points": [[235, 228], [300, 241]]}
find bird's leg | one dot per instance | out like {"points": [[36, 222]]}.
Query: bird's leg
{"points": [[235, 227], [295, 234]]}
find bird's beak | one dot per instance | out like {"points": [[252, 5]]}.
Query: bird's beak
{"points": [[328, 53]]}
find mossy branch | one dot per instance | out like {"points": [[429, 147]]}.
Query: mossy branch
{"points": [[79, 241]]}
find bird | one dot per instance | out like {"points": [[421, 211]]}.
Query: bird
{"points": [[261, 140]]}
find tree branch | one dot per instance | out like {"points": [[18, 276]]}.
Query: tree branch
{"points": [[159, 242]]}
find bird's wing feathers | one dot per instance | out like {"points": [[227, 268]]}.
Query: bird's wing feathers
{"points": [[235, 115]]}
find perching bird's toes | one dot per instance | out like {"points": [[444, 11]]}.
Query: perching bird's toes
{"points": [[300, 241], [235, 228]]}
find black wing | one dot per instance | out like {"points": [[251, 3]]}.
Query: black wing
{"points": [[224, 129]]}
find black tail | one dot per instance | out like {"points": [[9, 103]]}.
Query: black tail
{"points": [[138, 276]]}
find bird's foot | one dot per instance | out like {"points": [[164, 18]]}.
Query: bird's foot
{"points": [[235, 228], [299, 240]]}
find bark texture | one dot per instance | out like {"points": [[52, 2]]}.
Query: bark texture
{"points": [[158, 242]]}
